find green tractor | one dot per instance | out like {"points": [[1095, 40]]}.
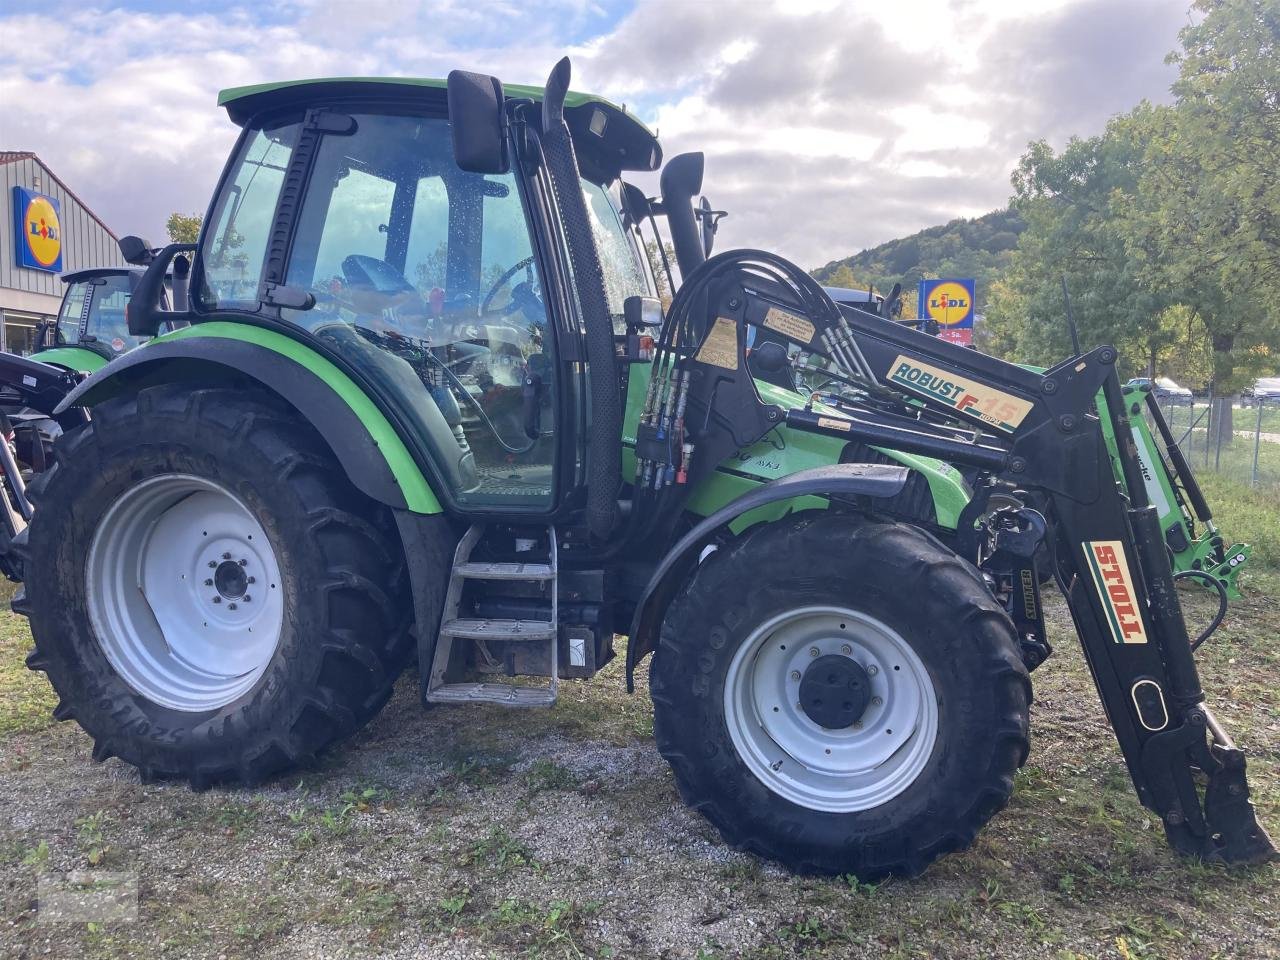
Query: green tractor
{"points": [[91, 328], [423, 406]]}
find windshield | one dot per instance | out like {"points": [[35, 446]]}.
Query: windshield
{"points": [[106, 322]]}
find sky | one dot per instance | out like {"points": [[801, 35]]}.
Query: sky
{"points": [[829, 125]]}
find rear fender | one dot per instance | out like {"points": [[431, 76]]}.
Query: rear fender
{"points": [[372, 454], [838, 481]]}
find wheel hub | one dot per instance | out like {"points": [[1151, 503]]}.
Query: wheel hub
{"points": [[835, 691], [231, 580]]}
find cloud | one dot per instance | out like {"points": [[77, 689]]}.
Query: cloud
{"points": [[830, 125]]}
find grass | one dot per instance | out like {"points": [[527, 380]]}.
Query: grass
{"points": [[25, 700], [559, 834]]}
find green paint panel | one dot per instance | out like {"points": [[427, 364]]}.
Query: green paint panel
{"points": [[417, 492], [782, 453], [73, 358]]}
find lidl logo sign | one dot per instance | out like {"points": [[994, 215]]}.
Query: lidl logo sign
{"points": [[949, 303], [37, 231]]}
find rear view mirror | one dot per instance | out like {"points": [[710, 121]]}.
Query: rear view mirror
{"points": [[708, 223], [135, 250], [476, 121]]}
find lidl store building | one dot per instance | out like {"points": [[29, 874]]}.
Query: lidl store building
{"points": [[45, 231]]}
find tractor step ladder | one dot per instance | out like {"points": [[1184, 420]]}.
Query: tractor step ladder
{"points": [[453, 628]]}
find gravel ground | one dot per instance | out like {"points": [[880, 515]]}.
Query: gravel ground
{"points": [[474, 832]]}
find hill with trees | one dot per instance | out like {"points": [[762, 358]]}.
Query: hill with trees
{"points": [[980, 248]]}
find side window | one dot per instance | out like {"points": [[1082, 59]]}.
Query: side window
{"points": [[108, 321], [233, 252], [69, 315], [357, 223], [428, 248], [619, 260]]}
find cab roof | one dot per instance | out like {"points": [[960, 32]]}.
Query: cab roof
{"points": [[627, 141], [93, 273]]}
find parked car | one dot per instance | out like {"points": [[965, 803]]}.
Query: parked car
{"points": [[1267, 388], [1162, 387]]}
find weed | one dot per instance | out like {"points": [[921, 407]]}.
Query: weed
{"points": [[453, 906], [549, 775], [806, 931], [499, 850], [90, 837], [37, 856]]}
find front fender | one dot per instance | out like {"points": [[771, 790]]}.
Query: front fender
{"points": [[365, 443], [835, 481]]}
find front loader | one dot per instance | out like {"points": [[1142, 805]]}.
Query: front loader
{"points": [[422, 405]]}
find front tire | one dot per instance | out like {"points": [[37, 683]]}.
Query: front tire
{"points": [[209, 596], [841, 695]]}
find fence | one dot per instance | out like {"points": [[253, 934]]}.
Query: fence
{"points": [[1238, 439]]}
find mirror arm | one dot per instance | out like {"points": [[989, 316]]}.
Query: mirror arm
{"points": [[143, 309]]}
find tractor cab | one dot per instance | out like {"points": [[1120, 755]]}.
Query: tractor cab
{"points": [[345, 216], [92, 324]]}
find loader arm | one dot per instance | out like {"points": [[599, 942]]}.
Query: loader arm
{"points": [[1024, 431]]}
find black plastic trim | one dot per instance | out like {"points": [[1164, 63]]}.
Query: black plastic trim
{"points": [[837, 480]]}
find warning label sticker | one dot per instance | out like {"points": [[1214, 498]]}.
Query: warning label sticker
{"points": [[720, 349], [790, 325]]}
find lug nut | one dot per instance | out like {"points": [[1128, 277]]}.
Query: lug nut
{"points": [[873, 670], [813, 651], [208, 583], [217, 599], [226, 556], [857, 724], [213, 564], [846, 649], [231, 606], [877, 701], [251, 580], [245, 599], [795, 674], [244, 563]]}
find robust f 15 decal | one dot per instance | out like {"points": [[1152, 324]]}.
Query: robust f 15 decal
{"points": [[1002, 410]]}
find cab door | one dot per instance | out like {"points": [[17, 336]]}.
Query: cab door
{"points": [[425, 280]]}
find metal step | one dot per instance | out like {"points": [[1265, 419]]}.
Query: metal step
{"points": [[473, 629], [454, 628], [476, 570], [503, 694]]}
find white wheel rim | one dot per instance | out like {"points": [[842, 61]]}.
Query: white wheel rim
{"points": [[184, 594], [836, 770]]}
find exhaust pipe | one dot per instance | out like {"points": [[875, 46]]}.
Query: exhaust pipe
{"points": [[681, 182]]}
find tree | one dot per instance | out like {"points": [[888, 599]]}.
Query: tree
{"points": [[659, 261], [183, 228], [1068, 201], [1204, 223]]}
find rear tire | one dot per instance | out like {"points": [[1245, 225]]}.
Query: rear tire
{"points": [[939, 693], [124, 616]]}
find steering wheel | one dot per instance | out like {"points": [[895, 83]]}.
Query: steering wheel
{"points": [[515, 303]]}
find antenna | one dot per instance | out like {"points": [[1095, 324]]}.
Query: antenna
{"points": [[1071, 320]]}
